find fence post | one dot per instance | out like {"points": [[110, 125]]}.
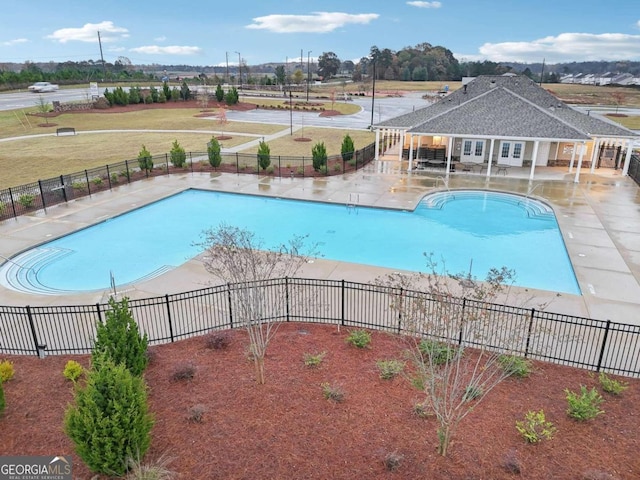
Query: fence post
{"points": [[13, 204], [44, 205], [286, 295], [166, 299], [64, 188], [343, 306], [230, 305], [86, 177], [400, 310], [237, 164], [166, 162], [464, 304], [99, 312], [36, 344], [604, 345], [191, 161], [126, 166], [526, 348], [108, 177], [279, 167]]}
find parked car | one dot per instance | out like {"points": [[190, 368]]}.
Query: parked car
{"points": [[42, 87]]}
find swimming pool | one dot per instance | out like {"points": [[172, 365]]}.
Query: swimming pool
{"points": [[478, 228]]}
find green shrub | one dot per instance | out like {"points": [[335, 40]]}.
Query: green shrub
{"points": [[609, 385], [72, 371], [337, 167], [332, 392], [175, 94], [270, 169], [145, 161], [78, 185], [535, 427], [97, 181], [3, 207], [177, 155], [389, 368], [584, 405], [109, 422], [7, 371], [213, 152], [232, 97], [26, 200], [264, 155], [114, 178], [319, 156], [438, 353], [515, 366], [300, 171], [313, 360], [347, 148], [359, 338], [219, 93], [119, 339]]}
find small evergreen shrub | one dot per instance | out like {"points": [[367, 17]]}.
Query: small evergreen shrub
{"points": [[119, 339], [319, 156], [114, 178], [264, 155], [359, 338], [145, 161], [7, 371], [26, 200], [584, 405], [347, 148], [109, 422], [177, 155], [72, 371], [313, 360], [332, 392], [515, 366], [97, 181], [535, 427], [610, 385], [213, 153], [219, 93], [389, 369]]}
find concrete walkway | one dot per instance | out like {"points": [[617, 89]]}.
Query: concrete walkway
{"points": [[599, 219]]}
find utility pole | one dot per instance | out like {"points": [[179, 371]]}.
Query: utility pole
{"points": [[239, 70], [227, 57], [104, 67], [308, 73], [373, 92]]}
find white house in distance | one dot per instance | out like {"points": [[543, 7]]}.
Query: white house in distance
{"points": [[512, 121]]}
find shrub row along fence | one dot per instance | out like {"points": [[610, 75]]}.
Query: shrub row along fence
{"points": [[564, 339], [39, 195]]}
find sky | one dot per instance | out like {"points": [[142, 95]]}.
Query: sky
{"points": [[214, 32]]}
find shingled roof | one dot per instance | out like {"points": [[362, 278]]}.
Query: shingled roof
{"points": [[508, 107]]}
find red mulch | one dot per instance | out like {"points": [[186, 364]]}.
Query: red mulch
{"points": [[286, 429]]}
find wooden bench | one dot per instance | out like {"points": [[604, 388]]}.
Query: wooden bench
{"points": [[65, 131]]}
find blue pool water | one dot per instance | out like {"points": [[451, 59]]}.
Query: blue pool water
{"points": [[482, 229]]}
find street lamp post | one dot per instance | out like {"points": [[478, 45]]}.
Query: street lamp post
{"points": [[227, 57], [308, 73], [239, 70]]}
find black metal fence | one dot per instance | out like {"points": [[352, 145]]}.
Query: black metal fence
{"points": [[554, 337], [39, 195], [634, 168]]}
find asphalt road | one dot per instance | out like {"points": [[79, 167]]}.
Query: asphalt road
{"points": [[26, 99]]}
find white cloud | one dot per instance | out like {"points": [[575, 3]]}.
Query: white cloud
{"points": [[116, 49], [168, 50], [566, 47], [160, 39], [425, 4], [89, 33], [318, 22], [15, 41]]}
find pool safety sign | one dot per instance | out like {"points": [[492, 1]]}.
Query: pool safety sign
{"points": [[35, 468]]}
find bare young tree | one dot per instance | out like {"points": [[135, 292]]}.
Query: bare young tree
{"points": [[460, 349], [235, 256]]}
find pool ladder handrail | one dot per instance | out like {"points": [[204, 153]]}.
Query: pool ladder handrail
{"points": [[445, 182], [531, 190], [352, 202]]}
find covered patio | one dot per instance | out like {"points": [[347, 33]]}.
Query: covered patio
{"points": [[504, 125]]}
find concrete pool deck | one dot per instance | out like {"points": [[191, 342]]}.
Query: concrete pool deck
{"points": [[599, 219]]}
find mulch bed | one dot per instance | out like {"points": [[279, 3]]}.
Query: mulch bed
{"points": [[287, 429]]}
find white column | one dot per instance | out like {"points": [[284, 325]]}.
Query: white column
{"points": [[410, 151], [573, 156], [449, 152], [533, 160], [596, 149], [490, 157], [627, 158], [377, 144], [577, 177], [400, 144]]}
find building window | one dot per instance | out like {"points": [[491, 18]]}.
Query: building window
{"points": [[479, 148], [467, 147], [517, 150], [505, 150]]}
